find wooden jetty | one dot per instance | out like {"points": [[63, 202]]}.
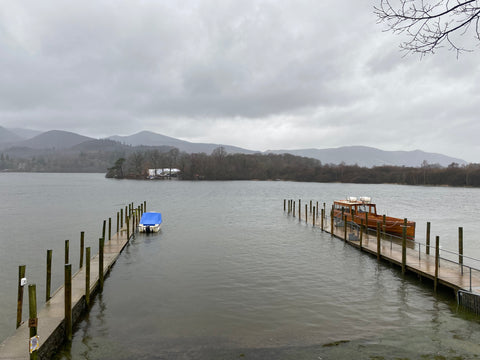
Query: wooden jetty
{"points": [[412, 256], [53, 323]]}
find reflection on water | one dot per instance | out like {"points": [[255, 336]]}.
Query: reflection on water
{"points": [[231, 276]]}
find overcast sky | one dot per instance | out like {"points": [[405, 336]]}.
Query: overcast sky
{"points": [[256, 74]]}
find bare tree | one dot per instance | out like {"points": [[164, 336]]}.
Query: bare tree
{"points": [[430, 24]]}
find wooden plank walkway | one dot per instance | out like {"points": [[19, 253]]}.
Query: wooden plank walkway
{"points": [[450, 274], [51, 326]]}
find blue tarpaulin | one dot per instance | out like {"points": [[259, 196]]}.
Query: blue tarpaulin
{"points": [[151, 218]]}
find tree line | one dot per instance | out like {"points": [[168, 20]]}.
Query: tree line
{"points": [[223, 166]]}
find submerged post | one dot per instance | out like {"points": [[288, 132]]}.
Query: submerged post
{"points": [[87, 276], [82, 246], [404, 246], [49, 275], [68, 302], [428, 239], [21, 276], [437, 261], [101, 242], [33, 321]]}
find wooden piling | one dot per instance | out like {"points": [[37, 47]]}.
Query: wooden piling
{"points": [[321, 220], [345, 228], [317, 209], [378, 241], [384, 226], [82, 246], [101, 243], [21, 275], [310, 206], [437, 261], [87, 276], [293, 212], [299, 209], [128, 227], [49, 276], [284, 204], [366, 224], [68, 302], [121, 218], [404, 247], [428, 239], [460, 246], [313, 217], [331, 223], [306, 214], [361, 234], [33, 321], [145, 205], [118, 222], [67, 249], [104, 228], [109, 228]]}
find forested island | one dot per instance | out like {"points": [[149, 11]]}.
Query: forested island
{"points": [[221, 165]]}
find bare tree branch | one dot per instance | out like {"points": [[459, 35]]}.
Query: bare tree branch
{"points": [[430, 24]]}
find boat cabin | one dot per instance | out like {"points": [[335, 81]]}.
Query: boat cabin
{"points": [[357, 205]]}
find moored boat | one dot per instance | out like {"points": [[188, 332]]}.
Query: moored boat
{"points": [[363, 210], [150, 222]]}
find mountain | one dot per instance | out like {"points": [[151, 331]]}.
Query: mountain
{"points": [[8, 136], [54, 139], [25, 133], [149, 138], [369, 157]]}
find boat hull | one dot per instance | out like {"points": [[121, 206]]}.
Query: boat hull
{"points": [[149, 228]]}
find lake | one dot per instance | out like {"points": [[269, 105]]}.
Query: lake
{"points": [[232, 276]]}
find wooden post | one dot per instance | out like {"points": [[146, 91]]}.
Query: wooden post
{"points": [[82, 246], [109, 228], [460, 246], [321, 220], [145, 205], [121, 218], [128, 227], [293, 212], [33, 321], [21, 275], [379, 247], [306, 214], [68, 302], [310, 206], [284, 204], [384, 226], [100, 262], [366, 224], [87, 276], [428, 239], [104, 228], [404, 247], [345, 228], [361, 234], [299, 209], [67, 249], [313, 217], [317, 209], [437, 261], [126, 213], [331, 222], [49, 275], [118, 222]]}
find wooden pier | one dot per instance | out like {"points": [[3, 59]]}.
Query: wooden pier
{"points": [[415, 257], [53, 323]]}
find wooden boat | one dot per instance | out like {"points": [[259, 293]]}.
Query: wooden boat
{"points": [[362, 208], [150, 222]]}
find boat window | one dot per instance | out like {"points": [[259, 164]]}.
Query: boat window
{"points": [[362, 208]]}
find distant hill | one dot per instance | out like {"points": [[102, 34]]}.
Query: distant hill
{"points": [[369, 157], [149, 138], [25, 133], [8, 136], [54, 139]]}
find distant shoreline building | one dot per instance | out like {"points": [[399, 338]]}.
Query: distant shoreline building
{"points": [[164, 173]]}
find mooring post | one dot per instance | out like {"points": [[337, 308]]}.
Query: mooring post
{"points": [[126, 213], [437, 261], [118, 222], [306, 214], [121, 218], [100, 261], [378, 240], [68, 302], [384, 226], [87, 276], [33, 320], [321, 220], [145, 205], [310, 206], [109, 228], [299, 209], [284, 204], [128, 227], [366, 225], [104, 228], [49, 275], [21, 276], [428, 239], [67, 248], [460, 247], [345, 228], [317, 209], [293, 212], [404, 246], [361, 234], [331, 222], [82, 246], [313, 217]]}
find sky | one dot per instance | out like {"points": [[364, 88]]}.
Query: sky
{"points": [[264, 74]]}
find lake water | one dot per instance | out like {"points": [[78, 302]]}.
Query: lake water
{"points": [[232, 276]]}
